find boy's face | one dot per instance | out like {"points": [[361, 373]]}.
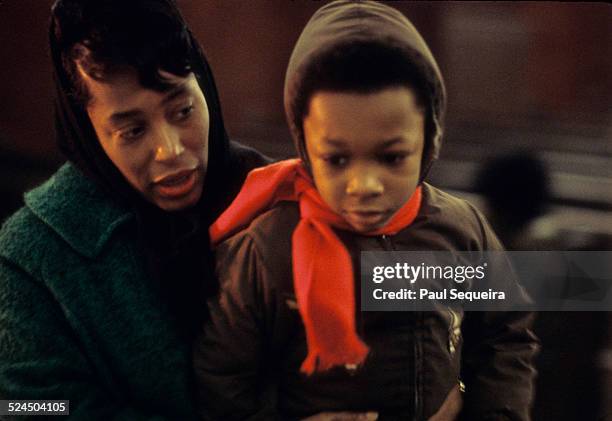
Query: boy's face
{"points": [[365, 152], [157, 140]]}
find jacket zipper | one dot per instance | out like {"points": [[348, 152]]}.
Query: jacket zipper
{"points": [[388, 245], [417, 371]]}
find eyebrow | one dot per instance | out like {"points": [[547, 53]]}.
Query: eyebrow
{"points": [[175, 92], [119, 117], [391, 142], [340, 143]]}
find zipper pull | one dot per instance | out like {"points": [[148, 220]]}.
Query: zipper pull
{"points": [[351, 369], [454, 334], [387, 244]]}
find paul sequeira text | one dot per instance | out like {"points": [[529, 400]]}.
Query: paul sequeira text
{"points": [[444, 294]]}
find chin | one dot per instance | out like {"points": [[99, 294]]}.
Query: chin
{"points": [[179, 204], [365, 228], [175, 206]]}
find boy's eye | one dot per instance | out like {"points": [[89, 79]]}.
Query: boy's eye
{"points": [[393, 158], [336, 160], [131, 133], [184, 113]]}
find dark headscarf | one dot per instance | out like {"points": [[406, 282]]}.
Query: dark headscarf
{"points": [[175, 245]]}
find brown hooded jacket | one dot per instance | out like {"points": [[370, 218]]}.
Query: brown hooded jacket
{"points": [[248, 358]]}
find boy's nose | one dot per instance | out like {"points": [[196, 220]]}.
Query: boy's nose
{"points": [[364, 184], [168, 144]]}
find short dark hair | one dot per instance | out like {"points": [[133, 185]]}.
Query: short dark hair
{"points": [[105, 37], [360, 67]]}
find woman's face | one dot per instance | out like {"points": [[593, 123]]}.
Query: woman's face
{"points": [[157, 140]]}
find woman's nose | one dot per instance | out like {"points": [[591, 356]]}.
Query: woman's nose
{"points": [[168, 144]]}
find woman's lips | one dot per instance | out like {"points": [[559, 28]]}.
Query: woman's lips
{"points": [[176, 185]]}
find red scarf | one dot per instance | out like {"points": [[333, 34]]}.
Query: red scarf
{"points": [[322, 268]]}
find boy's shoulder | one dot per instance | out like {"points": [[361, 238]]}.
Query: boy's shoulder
{"points": [[283, 217], [276, 224], [453, 221], [436, 200], [269, 232], [263, 248]]}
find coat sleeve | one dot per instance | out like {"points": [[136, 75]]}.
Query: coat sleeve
{"points": [[230, 350], [498, 356], [40, 357]]}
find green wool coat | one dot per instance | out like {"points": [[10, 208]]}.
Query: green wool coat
{"points": [[79, 319]]}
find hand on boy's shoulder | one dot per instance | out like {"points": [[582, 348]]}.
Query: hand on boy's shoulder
{"points": [[343, 416]]}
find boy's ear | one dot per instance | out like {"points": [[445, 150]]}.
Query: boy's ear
{"points": [[303, 152], [301, 146], [431, 135]]}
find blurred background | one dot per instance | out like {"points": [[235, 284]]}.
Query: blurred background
{"points": [[528, 137]]}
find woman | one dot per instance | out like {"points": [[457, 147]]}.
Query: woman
{"points": [[103, 271]]}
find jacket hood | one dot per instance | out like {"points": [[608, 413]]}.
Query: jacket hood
{"points": [[342, 23]]}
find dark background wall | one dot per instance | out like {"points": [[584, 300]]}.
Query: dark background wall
{"points": [[521, 76]]}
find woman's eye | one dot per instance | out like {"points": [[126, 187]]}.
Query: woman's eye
{"points": [[184, 113], [132, 133], [393, 158], [336, 160]]}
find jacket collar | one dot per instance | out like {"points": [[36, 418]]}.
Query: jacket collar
{"points": [[78, 211]]}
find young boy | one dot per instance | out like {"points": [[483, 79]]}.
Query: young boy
{"points": [[365, 101]]}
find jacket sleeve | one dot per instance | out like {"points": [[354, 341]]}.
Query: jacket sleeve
{"points": [[40, 357], [229, 351], [498, 356]]}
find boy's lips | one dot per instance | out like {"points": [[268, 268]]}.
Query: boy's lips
{"points": [[365, 217]]}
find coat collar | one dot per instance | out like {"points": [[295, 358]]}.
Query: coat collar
{"points": [[72, 206]]}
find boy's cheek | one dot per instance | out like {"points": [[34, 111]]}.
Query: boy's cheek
{"points": [[332, 195], [326, 181]]}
